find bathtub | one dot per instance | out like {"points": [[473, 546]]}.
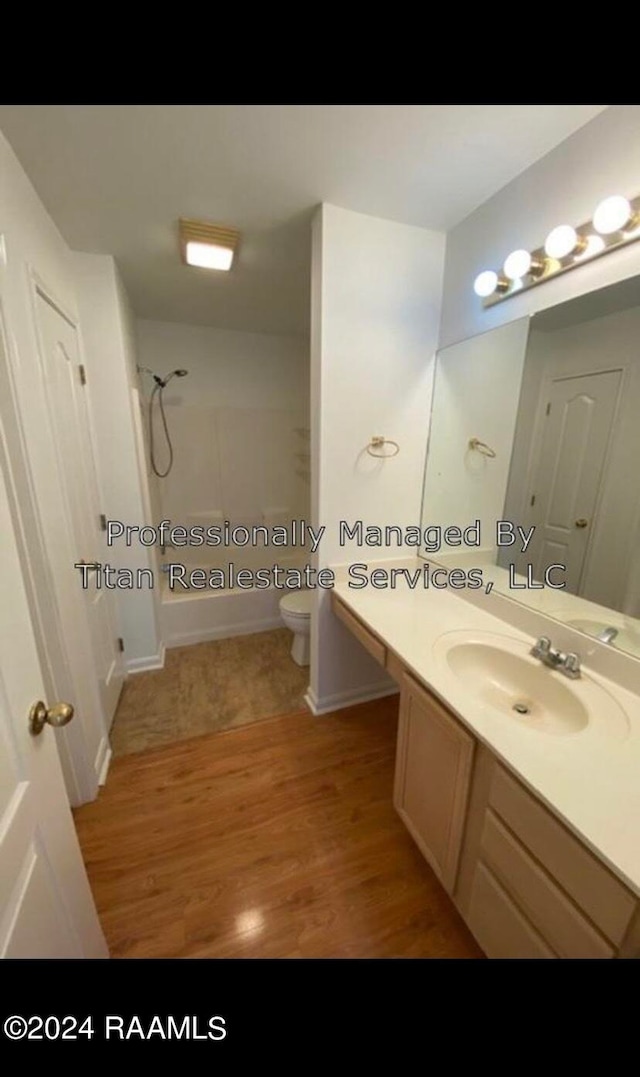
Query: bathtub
{"points": [[195, 616]]}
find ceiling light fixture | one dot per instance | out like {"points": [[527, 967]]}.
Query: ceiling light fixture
{"points": [[616, 223], [207, 245]]}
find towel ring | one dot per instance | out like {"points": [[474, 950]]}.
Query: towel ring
{"points": [[379, 443], [482, 448]]}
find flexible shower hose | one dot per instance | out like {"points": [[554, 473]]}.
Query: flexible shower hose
{"points": [[157, 390]]}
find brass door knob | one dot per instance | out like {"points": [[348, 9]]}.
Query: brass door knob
{"points": [[582, 522], [41, 715]]}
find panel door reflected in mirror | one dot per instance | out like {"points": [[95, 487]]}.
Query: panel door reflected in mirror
{"points": [[573, 483]]}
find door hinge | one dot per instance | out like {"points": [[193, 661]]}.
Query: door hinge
{"points": [[548, 411], [120, 643], [83, 374], [103, 522], [533, 500]]}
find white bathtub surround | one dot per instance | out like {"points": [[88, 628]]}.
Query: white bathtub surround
{"points": [[198, 616], [234, 422], [238, 425], [195, 616], [589, 779]]}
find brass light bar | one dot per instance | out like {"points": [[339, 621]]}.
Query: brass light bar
{"points": [[590, 243]]}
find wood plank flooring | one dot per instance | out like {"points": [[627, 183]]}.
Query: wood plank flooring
{"points": [[277, 839]]}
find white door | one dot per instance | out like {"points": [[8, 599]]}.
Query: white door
{"points": [[572, 445], [64, 383], [46, 905]]}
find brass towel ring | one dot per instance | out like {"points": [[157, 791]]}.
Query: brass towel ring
{"points": [[379, 443], [482, 448]]}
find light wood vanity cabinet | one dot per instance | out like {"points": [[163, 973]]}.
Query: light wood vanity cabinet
{"points": [[433, 771], [525, 885]]}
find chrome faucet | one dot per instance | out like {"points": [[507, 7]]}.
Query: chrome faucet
{"points": [[567, 664], [607, 635]]}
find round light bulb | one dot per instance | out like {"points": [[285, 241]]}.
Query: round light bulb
{"points": [[485, 283], [561, 241], [517, 264], [611, 215]]}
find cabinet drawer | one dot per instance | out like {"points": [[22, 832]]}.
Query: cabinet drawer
{"points": [[498, 925], [548, 908], [369, 641], [604, 899]]}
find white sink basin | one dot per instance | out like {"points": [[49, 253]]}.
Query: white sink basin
{"points": [[500, 674]]}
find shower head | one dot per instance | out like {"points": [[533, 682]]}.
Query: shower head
{"points": [[173, 374], [161, 382]]}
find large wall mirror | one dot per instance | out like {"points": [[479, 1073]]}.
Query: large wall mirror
{"points": [[537, 424]]}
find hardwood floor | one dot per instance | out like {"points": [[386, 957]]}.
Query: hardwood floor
{"points": [[277, 839]]}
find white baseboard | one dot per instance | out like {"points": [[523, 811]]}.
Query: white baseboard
{"points": [[153, 661], [104, 770], [340, 700], [204, 635], [102, 760]]}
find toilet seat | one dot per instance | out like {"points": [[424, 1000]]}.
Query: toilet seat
{"points": [[297, 603]]}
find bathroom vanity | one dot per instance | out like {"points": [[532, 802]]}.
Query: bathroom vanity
{"points": [[526, 808]]}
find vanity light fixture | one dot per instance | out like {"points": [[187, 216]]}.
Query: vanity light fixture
{"points": [[207, 245], [488, 282], [612, 215], [520, 264], [615, 223], [563, 241]]}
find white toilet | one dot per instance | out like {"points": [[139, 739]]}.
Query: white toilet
{"points": [[295, 609]]}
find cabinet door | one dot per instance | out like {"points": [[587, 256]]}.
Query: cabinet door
{"points": [[433, 770]]}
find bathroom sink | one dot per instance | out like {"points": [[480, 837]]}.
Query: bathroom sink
{"points": [[499, 673]]}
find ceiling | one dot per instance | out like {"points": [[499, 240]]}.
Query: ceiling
{"points": [[115, 178]]}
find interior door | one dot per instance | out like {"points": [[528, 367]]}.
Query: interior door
{"points": [[64, 381], [46, 905], [572, 445]]}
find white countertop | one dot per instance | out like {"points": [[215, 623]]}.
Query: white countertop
{"points": [[591, 781]]}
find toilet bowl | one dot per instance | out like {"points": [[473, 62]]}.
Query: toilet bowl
{"points": [[295, 609]]}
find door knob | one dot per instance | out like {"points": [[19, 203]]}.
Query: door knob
{"points": [[41, 715], [582, 522]]}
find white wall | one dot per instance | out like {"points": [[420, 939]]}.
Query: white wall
{"points": [[476, 391], [231, 369], [238, 422], [113, 393], [600, 159], [376, 288]]}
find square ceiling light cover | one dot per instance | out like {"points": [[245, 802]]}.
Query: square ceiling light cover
{"points": [[207, 245]]}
